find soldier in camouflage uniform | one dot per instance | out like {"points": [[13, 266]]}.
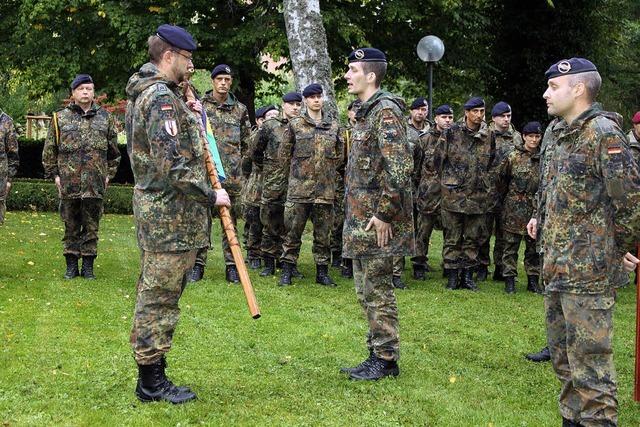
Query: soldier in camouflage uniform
{"points": [[506, 138], [427, 170], [590, 218], [267, 156], [634, 137], [314, 147], [171, 203], [252, 191], [378, 209], [522, 175], [230, 125], [9, 159], [81, 155]]}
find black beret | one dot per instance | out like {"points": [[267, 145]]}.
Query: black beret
{"points": [[260, 112], [570, 66], [500, 108], [221, 69], [532, 127], [81, 79], [443, 109], [312, 89], [419, 103], [475, 102], [292, 97], [176, 37], [367, 54], [354, 105]]}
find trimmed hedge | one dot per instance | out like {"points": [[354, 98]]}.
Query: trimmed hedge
{"points": [[41, 195], [31, 161]]}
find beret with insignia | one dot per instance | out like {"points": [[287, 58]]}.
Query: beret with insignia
{"points": [[532, 127], [312, 89], [636, 118], [80, 80], [500, 108], [176, 37], [475, 102], [367, 54], [419, 103], [292, 97], [260, 112], [570, 66], [443, 109], [221, 69]]}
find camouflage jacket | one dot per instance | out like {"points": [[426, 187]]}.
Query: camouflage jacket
{"points": [[231, 128], [267, 157], [9, 158], [378, 180], [316, 157], [590, 204], [171, 194], [522, 176], [427, 166], [83, 151], [634, 144], [252, 190], [471, 169], [414, 136]]}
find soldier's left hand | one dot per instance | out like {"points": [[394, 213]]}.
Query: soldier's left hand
{"points": [[383, 231], [630, 262], [195, 106]]}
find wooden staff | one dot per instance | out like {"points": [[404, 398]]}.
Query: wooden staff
{"points": [[636, 382], [225, 217]]}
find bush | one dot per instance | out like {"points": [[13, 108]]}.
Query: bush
{"points": [[41, 195]]}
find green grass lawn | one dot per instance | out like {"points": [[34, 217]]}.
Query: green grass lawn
{"points": [[65, 356]]}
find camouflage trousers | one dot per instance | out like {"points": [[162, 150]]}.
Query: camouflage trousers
{"points": [[253, 229], [3, 210], [374, 290], [425, 226], [272, 219], [398, 265], [579, 334], [235, 210], [81, 219], [295, 219], [160, 285], [338, 223], [510, 255], [494, 226], [463, 234]]}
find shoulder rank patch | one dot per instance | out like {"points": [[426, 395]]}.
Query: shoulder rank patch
{"points": [[171, 127], [614, 149]]}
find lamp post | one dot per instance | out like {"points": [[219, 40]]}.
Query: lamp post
{"points": [[430, 50]]}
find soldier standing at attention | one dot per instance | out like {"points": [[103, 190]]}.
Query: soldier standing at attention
{"points": [[81, 155], [230, 125], [9, 159], [171, 203], [590, 217], [378, 213], [315, 147]]}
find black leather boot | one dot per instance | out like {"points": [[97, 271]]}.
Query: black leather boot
{"points": [[232, 274], [72, 266], [87, 267], [254, 263], [510, 285], [269, 267], [347, 268], [322, 276], [398, 283], [359, 367], [452, 278], [481, 273], [497, 273], [197, 272], [336, 259], [285, 277], [418, 272], [153, 385], [468, 282], [376, 369], [532, 284], [543, 355]]}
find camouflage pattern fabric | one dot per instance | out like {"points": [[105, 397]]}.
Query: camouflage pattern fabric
{"points": [[414, 137], [268, 156], [273, 230], [494, 227], [378, 180], [253, 228], [510, 255], [634, 144], [86, 153], [374, 289], [428, 164], [522, 177], [251, 194], [462, 235], [81, 219], [398, 266], [426, 224], [295, 219], [156, 313], [338, 204], [9, 158], [579, 335], [235, 210]]}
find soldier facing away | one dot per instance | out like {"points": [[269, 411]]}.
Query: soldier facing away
{"points": [[9, 159], [81, 155]]}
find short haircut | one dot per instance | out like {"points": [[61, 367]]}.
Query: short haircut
{"points": [[377, 68], [592, 83], [157, 47]]}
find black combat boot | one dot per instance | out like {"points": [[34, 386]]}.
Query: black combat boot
{"points": [[336, 259], [163, 364], [285, 277], [295, 273], [269, 267], [497, 273], [468, 282], [510, 285], [87, 267], [362, 364], [254, 263], [153, 385], [481, 273], [376, 369], [532, 284], [322, 276], [347, 268], [232, 274], [197, 272], [418, 272], [72, 266], [398, 283], [543, 355], [452, 279]]}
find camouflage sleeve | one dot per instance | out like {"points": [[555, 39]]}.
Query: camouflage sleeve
{"points": [[11, 148], [262, 139], [287, 144], [245, 132], [396, 164], [340, 144], [247, 159], [113, 154], [50, 153], [418, 158]]}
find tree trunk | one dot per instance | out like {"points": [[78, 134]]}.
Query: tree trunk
{"points": [[308, 48]]}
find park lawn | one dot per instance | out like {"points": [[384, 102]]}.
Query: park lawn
{"points": [[65, 357]]}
